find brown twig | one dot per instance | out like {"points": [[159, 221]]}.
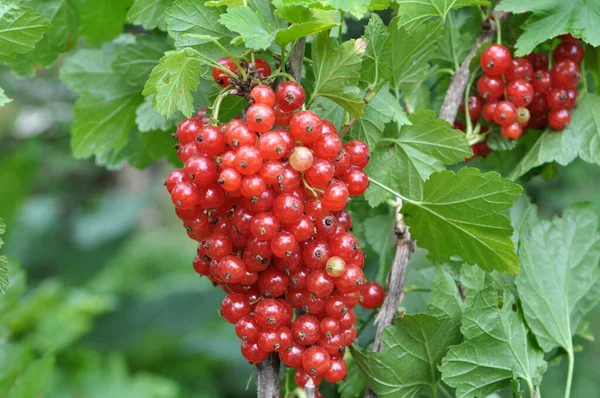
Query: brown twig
{"points": [[395, 282], [296, 59], [455, 93]]}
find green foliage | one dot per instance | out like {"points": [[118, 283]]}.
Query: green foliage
{"points": [[496, 345], [414, 347], [20, 29], [3, 98], [149, 13], [415, 13], [3, 263], [254, 29], [553, 18], [102, 20]]}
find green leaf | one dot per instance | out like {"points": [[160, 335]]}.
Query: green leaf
{"points": [[36, 380], [413, 347], [103, 124], [465, 208], [496, 344], [186, 18], [553, 18], [382, 109], [355, 384], [102, 20], [337, 70], [134, 62], [304, 22], [414, 13], [253, 28], [172, 81], [377, 65], [3, 98], [412, 52], [459, 34], [148, 119], [358, 8], [20, 29], [559, 282], [149, 13], [61, 37], [227, 3], [417, 151], [522, 215], [3, 263], [446, 297], [581, 137], [329, 110]]}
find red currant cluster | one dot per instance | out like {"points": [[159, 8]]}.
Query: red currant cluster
{"points": [[522, 92], [266, 205]]}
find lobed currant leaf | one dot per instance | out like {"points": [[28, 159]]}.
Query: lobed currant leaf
{"points": [[355, 383], [20, 29], [135, 61], [417, 151], [458, 35], [559, 282], [149, 13], [102, 20], [337, 71], [304, 21], [377, 64], [36, 379], [148, 119], [466, 208], [553, 18], [256, 32], [329, 110], [414, 347], [496, 346], [358, 8], [414, 13]]}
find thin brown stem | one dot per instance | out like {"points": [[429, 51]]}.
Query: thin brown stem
{"points": [[454, 95]]}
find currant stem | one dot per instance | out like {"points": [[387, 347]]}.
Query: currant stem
{"points": [[217, 105], [282, 74], [341, 28], [571, 357], [390, 190], [466, 101], [498, 31], [215, 64]]}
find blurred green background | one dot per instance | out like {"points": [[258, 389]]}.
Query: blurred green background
{"points": [[102, 293]]}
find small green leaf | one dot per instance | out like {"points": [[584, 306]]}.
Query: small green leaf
{"points": [[496, 343], [149, 13], [559, 282], [329, 110], [254, 29], [103, 124], [413, 347], [172, 81], [412, 52], [337, 71], [581, 137], [36, 380], [3, 98], [304, 21], [466, 209], [148, 119], [459, 34], [358, 8], [226, 3], [186, 18], [20, 29], [134, 62], [355, 383], [382, 109], [414, 13], [102, 20], [377, 65], [553, 18], [417, 151]]}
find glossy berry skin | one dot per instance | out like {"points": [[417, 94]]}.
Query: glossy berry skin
{"points": [[371, 295], [263, 94], [523, 116], [247, 160], [185, 195], [231, 269], [512, 131], [342, 163], [336, 307], [272, 282], [301, 378], [488, 111], [572, 95], [246, 328], [521, 69], [327, 146], [174, 178], [359, 153], [315, 254], [289, 96], [238, 134], [301, 229], [344, 245], [542, 81], [252, 186], [283, 244], [306, 126], [201, 170], [569, 49], [260, 117], [337, 370], [519, 92], [268, 313], [292, 356], [565, 74], [301, 159], [335, 266], [252, 353], [264, 226], [505, 113], [262, 67], [329, 327], [218, 245], [319, 174], [315, 361], [187, 130], [222, 78], [356, 180], [234, 307], [496, 60], [335, 196], [490, 87], [350, 281], [559, 119], [319, 283], [474, 107], [210, 141], [287, 208], [306, 329], [539, 61], [558, 98], [271, 145]]}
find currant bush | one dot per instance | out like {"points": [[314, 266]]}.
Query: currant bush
{"points": [[264, 196]]}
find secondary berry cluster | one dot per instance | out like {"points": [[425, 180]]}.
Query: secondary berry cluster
{"points": [[524, 92], [265, 199]]}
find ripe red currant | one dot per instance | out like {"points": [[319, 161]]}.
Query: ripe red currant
{"points": [[371, 295], [289, 96], [496, 60]]}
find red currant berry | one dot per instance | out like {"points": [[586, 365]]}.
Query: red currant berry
{"points": [[557, 98], [359, 153], [505, 113], [306, 126], [272, 282], [301, 378], [271, 145], [335, 266], [572, 95], [523, 116], [248, 160], [302, 229], [218, 245], [337, 370], [351, 280], [282, 118], [210, 141], [542, 82], [559, 119], [187, 130], [327, 146], [519, 92], [341, 163], [283, 244], [260, 117], [319, 283], [247, 328], [264, 226], [268, 313], [252, 186], [174, 178], [234, 307], [474, 106], [356, 180], [490, 87], [371, 295], [335, 196], [301, 158], [336, 307], [185, 195], [315, 254], [252, 353], [292, 356], [512, 131], [488, 111], [222, 78], [319, 174], [315, 361], [262, 67], [306, 329], [539, 61], [230, 180], [263, 94], [287, 208], [565, 74], [238, 134], [496, 60], [231, 269], [569, 49], [521, 69], [289, 96], [202, 170]]}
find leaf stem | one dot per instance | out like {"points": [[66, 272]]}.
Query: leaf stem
{"points": [[443, 390], [217, 65], [466, 102], [571, 357], [282, 74], [230, 55], [390, 190], [340, 34], [498, 31], [217, 105]]}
